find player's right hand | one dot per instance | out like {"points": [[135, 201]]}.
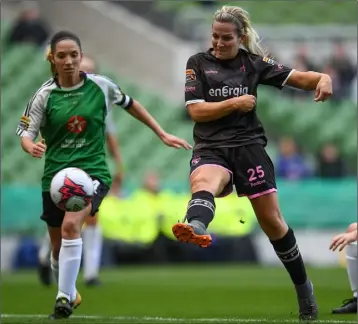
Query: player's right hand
{"points": [[342, 240], [38, 149], [245, 103]]}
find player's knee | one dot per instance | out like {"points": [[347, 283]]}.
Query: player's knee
{"points": [[200, 183], [272, 222], [274, 219], [71, 229], [208, 181], [352, 227]]}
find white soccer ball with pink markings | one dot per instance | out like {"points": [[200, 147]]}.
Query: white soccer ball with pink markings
{"points": [[72, 189]]}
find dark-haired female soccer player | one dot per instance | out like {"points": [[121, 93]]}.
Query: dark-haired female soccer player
{"points": [[220, 93], [70, 111], [91, 233]]}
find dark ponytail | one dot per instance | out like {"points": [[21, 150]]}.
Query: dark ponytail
{"points": [[48, 57]]}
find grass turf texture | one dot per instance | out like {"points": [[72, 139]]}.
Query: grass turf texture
{"points": [[181, 294]]}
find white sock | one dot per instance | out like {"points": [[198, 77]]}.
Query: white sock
{"points": [[54, 268], [352, 266], [45, 248], [69, 263], [92, 248]]}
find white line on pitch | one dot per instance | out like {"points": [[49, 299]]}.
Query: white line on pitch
{"points": [[180, 320]]}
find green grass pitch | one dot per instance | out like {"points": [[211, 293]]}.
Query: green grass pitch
{"points": [[179, 294]]}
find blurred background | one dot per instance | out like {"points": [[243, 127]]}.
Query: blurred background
{"points": [[144, 46]]}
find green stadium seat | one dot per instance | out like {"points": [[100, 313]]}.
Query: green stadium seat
{"points": [[266, 12], [16, 62]]}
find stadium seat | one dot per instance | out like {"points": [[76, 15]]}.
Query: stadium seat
{"points": [[265, 12], [15, 62]]}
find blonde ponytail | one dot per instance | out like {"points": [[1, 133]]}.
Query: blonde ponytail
{"points": [[241, 19], [48, 57]]}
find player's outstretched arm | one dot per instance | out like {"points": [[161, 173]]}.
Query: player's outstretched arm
{"points": [[141, 114], [310, 81]]}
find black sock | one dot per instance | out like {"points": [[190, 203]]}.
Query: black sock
{"points": [[201, 207], [287, 250]]}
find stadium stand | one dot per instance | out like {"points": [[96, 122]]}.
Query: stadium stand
{"points": [[184, 18], [24, 69], [266, 12]]}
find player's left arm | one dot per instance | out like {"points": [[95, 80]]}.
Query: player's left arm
{"points": [[135, 108], [278, 75], [310, 81]]}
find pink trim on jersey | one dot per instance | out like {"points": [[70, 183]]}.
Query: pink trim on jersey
{"points": [[262, 193]]}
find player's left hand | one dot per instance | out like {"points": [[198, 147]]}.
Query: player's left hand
{"points": [[342, 240], [173, 141], [323, 89]]}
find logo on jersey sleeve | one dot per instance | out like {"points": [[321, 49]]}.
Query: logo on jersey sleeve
{"points": [[76, 124], [190, 75], [195, 160], [24, 123], [268, 60], [190, 89]]}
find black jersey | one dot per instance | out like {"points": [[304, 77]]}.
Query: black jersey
{"points": [[212, 80]]}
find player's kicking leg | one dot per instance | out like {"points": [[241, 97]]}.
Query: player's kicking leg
{"points": [[207, 181], [348, 239]]}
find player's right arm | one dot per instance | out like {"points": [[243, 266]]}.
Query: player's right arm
{"points": [[202, 111], [29, 126]]}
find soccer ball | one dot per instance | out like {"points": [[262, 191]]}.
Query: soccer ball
{"points": [[71, 189]]}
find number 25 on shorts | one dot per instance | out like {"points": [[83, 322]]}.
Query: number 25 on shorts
{"points": [[256, 173]]}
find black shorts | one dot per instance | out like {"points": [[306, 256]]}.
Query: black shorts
{"points": [[53, 215], [250, 167]]}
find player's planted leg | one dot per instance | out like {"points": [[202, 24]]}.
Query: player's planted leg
{"points": [[284, 243], [69, 263], [55, 235], [287, 250]]}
